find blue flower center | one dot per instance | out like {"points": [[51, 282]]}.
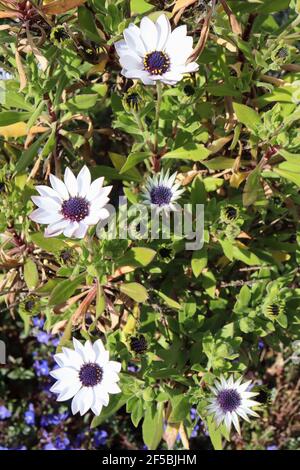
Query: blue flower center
{"points": [[156, 62], [161, 195], [75, 209], [229, 400], [90, 374]]}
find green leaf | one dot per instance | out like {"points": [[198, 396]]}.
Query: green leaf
{"points": [[29, 154], [193, 152], [87, 24], [244, 255], [180, 408], [31, 274], [170, 302], [133, 159], [273, 6], [81, 102], [219, 163], [290, 171], [65, 290], [100, 301], [137, 412], [198, 193], [52, 245], [153, 425], [247, 116], [199, 261], [140, 7], [135, 291], [115, 403], [214, 434], [137, 257], [253, 189], [10, 117]]}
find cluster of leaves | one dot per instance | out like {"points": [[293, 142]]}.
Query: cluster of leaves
{"points": [[232, 133]]}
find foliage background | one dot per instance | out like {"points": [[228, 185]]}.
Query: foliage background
{"points": [[232, 133]]}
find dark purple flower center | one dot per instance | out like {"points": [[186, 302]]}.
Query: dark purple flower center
{"points": [[229, 400], [75, 209], [156, 62], [90, 374], [161, 195]]}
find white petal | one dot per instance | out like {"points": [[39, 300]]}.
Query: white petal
{"points": [[89, 353], [121, 47], [148, 34], [228, 419], [79, 348], [129, 62], [49, 192], [97, 404], [236, 423], [71, 182], [59, 187], [70, 390], [109, 376], [71, 229], [116, 366], [55, 229], [101, 394], [64, 373], [68, 358], [243, 387], [191, 67], [82, 401], [93, 218], [249, 403], [242, 414], [163, 30], [50, 205], [98, 348], [81, 230], [83, 181], [172, 76], [133, 40], [42, 217], [95, 188], [113, 388], [103, 214], [103, 358]]}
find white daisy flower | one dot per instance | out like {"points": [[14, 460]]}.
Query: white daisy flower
{"points": [[153, 52], [71, 207], [231, 401], [87, 375], [161, 192]]}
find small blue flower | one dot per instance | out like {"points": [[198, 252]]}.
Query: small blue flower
{"points": [[55, 342], [4, 413], [61, 443], [55, 419], [49, 446], [29, 415], [194, 432], [43, 337], [260, 344], [193, 414], [100, 438], [38, 322], [272, 447], [41, 367]]}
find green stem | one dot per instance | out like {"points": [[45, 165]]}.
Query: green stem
{"points": [[158, 105], [143, 129]]}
